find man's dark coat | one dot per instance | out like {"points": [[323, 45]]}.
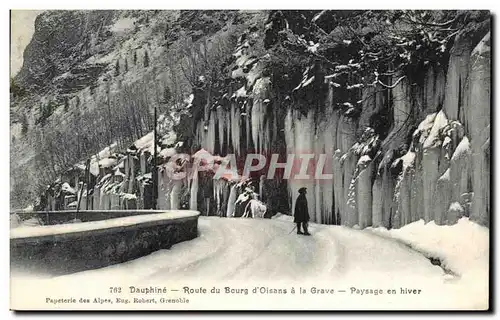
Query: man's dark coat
{"points": [[301, 210]]}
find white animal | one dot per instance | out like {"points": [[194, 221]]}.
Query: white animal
{"points": [[255, 208]]}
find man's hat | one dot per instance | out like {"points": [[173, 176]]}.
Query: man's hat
{"points": [[302, 190]]}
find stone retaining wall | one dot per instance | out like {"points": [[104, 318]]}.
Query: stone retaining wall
{"points": [[67, 248]]}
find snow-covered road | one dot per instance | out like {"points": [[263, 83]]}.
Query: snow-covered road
{"points": [[253, 249], [238, 250]]}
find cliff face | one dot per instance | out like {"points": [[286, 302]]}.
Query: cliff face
{"points": [[417, 147], [400, 103]]}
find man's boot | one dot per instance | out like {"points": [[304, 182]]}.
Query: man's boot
{"points": [[306, 232], [298, 229]]}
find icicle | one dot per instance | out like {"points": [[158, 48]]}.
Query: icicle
{"points": [[200, 135], [257, 116], [175, 195], [346, 133], [329, 141], [164, 190], [260, 126], [261, 186], [227, 120], [301, 138], [377, 203], [235, 128], [210, 134], [193, 195], [248, 110], [231, 201], [318, 149], [257, 208], [289, 131], [219, 186], [364, 191]]}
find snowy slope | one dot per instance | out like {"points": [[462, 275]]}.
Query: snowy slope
{"points": [[462, 249], [264, 252]]}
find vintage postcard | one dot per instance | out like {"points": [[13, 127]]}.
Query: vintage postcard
{"points": [[250, 160]]}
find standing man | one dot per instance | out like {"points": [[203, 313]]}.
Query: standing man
{"points": [[301, 212]]}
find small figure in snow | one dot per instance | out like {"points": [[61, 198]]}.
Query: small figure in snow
{"points": [[301, 212]]}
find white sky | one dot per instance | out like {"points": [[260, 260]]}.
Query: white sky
{"points": [[22, 26]]}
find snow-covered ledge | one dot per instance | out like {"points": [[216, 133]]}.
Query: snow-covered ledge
{"points": [[71, 247], [70, 216]]}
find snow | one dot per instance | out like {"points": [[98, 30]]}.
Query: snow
{"points": [[16, 222], [456, 206], [122, 25], [439, 123], [67, 188], [73, 204], [120, 165], [101, 157], [355, 86], [408, 160], [145, 176], [483, 48], [107, 162], [318, 15], [94, 167], [29, 208], [145, 141], [240, 93], [275, 253], [313, 47], [425, 126], [243, 197], [364, 160], [117, 172], [462, 149], [308, 81], [106, 152], [202, 154], [254, 209], [103, 179], [169, 138], [282, 217], [79, 166], [168, 152], [268, 252]]}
